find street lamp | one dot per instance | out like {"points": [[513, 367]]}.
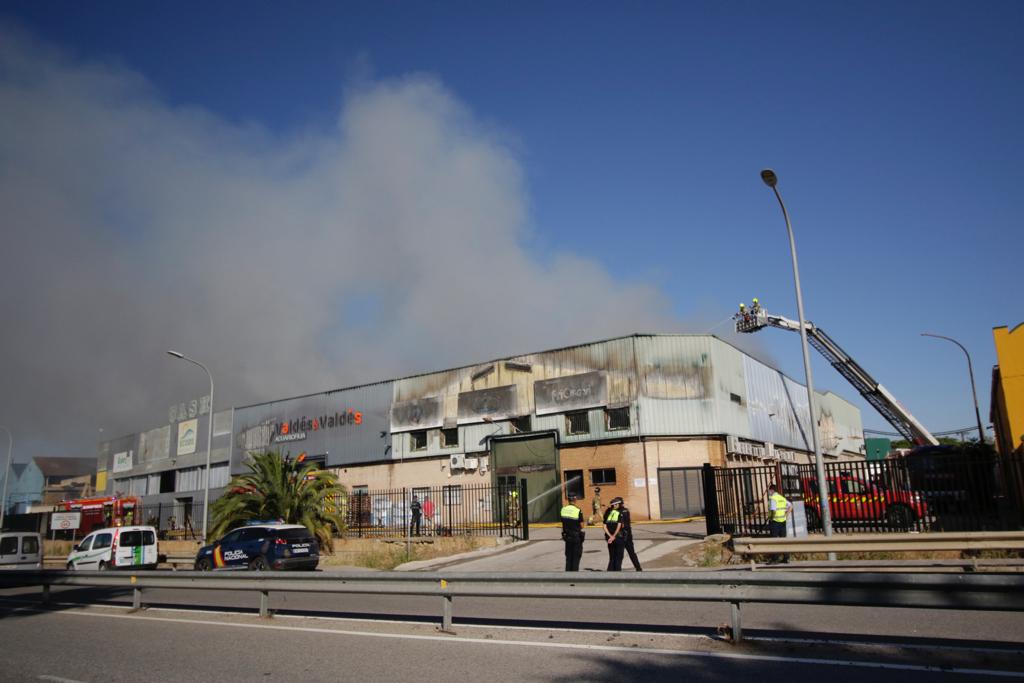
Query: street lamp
{"points": [[970, 371], [7, 475], [209, 440], [771, 180]]}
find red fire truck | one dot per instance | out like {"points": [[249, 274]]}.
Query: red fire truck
{"points": [[106, 511], [855, 500]]}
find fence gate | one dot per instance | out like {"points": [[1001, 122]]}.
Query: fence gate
{"points": [[681, 492]]}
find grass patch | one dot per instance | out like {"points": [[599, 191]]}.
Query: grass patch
{"points": [[385, 555]]}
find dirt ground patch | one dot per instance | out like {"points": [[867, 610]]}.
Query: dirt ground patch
{"points": [[388, 554]]}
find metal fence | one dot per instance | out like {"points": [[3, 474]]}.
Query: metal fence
{"points": [[927, 492], [475, 510], [927, 591]]}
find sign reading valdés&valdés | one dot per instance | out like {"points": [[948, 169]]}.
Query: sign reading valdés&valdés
{"points": [[297, 429]]}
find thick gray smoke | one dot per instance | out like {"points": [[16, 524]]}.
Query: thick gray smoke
{"points": [[391, 244]]}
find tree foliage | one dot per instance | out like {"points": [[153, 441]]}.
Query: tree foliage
{"points": [[278, 487]]}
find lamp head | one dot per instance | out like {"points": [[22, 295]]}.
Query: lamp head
{"points": [[176, 354], [769, 177]]}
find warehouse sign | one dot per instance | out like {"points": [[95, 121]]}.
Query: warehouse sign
{"points": [[576, 392], [296, 430], [122, 461], [421, 413], [187, 437], [498, 403]]}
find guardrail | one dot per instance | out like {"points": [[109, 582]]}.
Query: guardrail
{"points": [[174, 561], [928, 591], [972, 540]]}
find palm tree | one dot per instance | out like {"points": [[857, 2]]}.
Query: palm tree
{"points": [[281, 488]]}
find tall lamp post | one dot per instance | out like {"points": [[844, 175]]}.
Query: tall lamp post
{"points": [[771, 180], [970, 371], [7, 475], [209, 440]]}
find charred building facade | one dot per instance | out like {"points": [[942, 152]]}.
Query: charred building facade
{"points": [[638, 416]]}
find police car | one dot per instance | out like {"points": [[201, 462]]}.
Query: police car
{"points": [[262, 545]]}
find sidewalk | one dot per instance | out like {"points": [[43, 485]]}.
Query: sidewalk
{"points": [[660, 546]]}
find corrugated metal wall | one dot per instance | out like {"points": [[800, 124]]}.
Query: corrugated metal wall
{"points": [[678, 378]]}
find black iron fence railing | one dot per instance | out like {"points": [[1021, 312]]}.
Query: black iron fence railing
{"points": [[457, 510], [930, 492], [474, 510]]}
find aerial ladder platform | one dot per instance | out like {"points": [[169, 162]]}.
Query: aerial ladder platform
{"points": [[752, 320]]}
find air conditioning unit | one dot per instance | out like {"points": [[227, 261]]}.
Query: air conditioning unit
{"points": [[457, 461], [732, 444], [471, 463]]}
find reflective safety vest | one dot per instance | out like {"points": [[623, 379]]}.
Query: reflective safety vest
{"points": [[613, 517], [781, 504], [570, 511]]}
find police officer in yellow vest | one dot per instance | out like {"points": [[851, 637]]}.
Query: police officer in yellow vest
{"points": [[779, 511], [572, 534], [613, 534]]}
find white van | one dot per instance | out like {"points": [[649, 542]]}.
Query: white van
{"points": [[21, 550], [122, 547]]}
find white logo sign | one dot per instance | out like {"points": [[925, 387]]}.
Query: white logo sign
{"points": [[122, 461], [187, 436]]}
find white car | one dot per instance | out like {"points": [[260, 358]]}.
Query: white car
{"points": [[123, 547], [21, 550]]}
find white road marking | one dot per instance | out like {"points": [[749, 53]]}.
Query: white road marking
{"points": [[573, 646], [33, 606]]}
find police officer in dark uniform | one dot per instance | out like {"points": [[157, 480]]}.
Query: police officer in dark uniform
{"points": [[572, 534], [613, 535], [627, 534]]}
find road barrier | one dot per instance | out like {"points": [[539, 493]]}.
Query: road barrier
{"points": [[973, 540], [927, 591]]}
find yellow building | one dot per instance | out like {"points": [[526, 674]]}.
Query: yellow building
{"points": [[1007, 411]]}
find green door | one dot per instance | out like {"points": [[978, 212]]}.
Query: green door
{"points": [[535, 459]]}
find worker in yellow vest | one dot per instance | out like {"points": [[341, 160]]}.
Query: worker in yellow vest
{"points": [[572, 533], [513, 506], [779, 511]]}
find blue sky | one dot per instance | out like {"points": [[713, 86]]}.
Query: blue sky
{"points": [[621, 146]]}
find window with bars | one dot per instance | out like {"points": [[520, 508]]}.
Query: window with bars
{"points": [[617, 418], [577, 423], [521, 424]]}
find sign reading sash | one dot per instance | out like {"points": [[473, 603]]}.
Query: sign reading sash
{"points": [[576, 392], [498, 403]]}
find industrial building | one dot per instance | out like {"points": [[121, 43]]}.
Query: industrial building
{"points": [[637, 415]]}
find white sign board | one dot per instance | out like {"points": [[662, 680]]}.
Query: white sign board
{"points": [[65, 521], [797, 527], [122, 461], [187, 436]]}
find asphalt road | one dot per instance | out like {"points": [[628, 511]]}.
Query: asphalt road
{"points": [[187, 635], [112, 644]]}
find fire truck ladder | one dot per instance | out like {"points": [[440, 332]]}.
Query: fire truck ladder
{"points": [[873, 392]]}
